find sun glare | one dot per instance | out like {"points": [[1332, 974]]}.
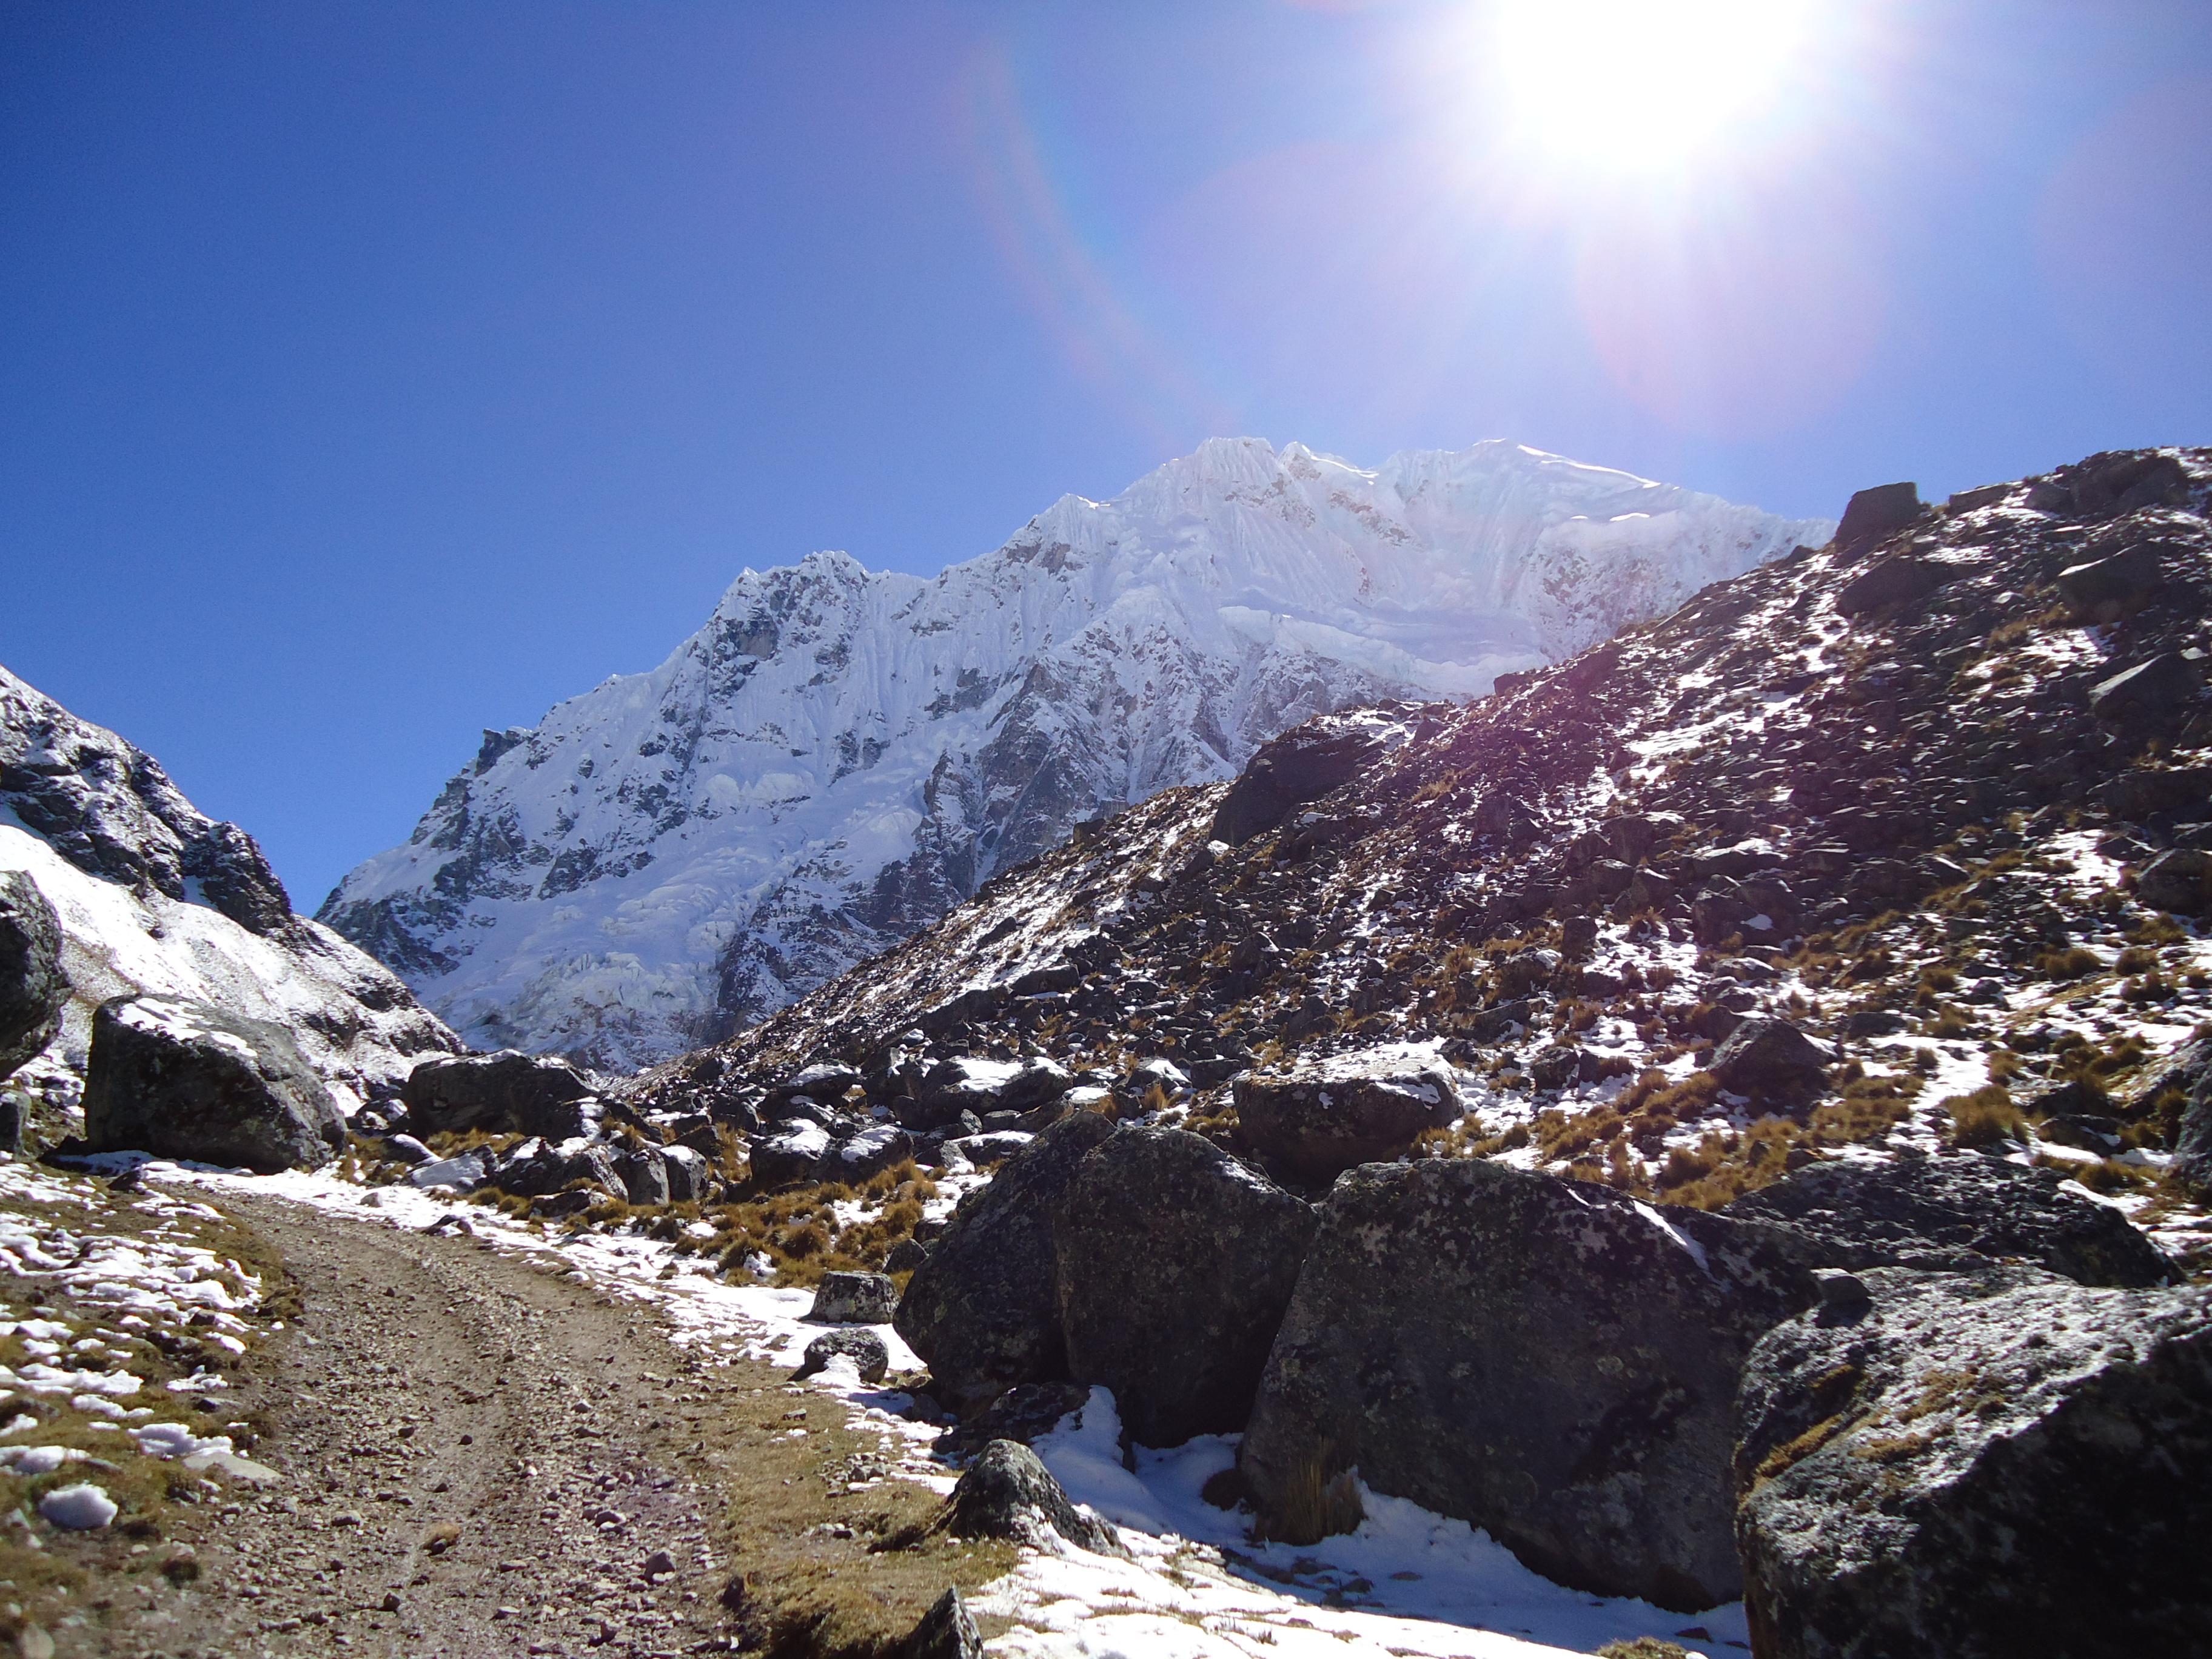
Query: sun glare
{"points": [[1645, 86]]}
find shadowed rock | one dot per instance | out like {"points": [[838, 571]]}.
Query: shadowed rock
{"points": [[1979, 1465], [32, 987]]}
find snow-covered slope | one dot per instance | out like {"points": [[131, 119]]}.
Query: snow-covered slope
{"points": [[154, 895], [840, 756]]}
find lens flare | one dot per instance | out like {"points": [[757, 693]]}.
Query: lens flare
{"points": [[1638, 87]]}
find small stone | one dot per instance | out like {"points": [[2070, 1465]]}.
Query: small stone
{"points": [[658, 1564], [390, 1602]]}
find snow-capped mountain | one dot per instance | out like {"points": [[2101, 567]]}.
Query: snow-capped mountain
{"points": [[154, 896], [840, 756]]}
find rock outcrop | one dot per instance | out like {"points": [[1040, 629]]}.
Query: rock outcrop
{"points": [[1956, 1214], [1175, 1264], [33, 988], [1980, 1465], [1554, 1362], [180, 1079], [1007, 1492]]}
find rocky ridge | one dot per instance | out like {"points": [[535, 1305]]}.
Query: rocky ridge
{"points": [[150, 896], [840, 757]]}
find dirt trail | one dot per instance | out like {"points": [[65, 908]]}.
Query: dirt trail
{"points": [[434, 1384]]}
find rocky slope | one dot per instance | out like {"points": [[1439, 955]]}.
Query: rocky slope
{"points": [[1904, 816], [840, 757], [153, 896]]}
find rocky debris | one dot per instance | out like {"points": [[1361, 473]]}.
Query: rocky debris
{"points": [[1979, 1464], [1956, 1214], [179, 1079], [847, 1298], [1007, 1492], [32, 987], [2105, 590], [1766, 1056], [1175, 1264], [1878, 513], [502, 1093], [982, 1310], [1302, 765], [1315, 1122], [859, 1345], [1551, 1361], [947, 1631]]}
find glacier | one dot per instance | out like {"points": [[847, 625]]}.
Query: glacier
{"points": [[840, 756]]}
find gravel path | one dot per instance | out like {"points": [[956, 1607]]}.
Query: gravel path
{"points": [[478, 1458]]}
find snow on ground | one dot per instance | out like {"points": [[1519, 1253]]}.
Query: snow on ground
{"points": [[1408, 1582]]}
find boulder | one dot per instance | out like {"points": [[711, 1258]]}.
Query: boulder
{"points": [[1552, 1361], [685, 1171], [859, 1344], [982, 1311], [181, 1079], [1881, 511], [32, 987], [1007, 1492], [1765, 1055], [504, 1093], [536, 1170], [947, 1631], [1316, 1120], [1893, 582], [1953, 1214], [827, 1081], [644, 1176], [1175, 1264], [1979, 1465], [463, 1174], [854, 1300], [2189, 1073], [2103, 590], [1303, 764], [2179, 881], [867, 1154], [795, 1152], [2155, 692]]}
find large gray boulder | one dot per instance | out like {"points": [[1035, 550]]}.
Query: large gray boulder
{"points": [[1550, 1360], [1303, 764], [1007, 1492], [504, 1093], [1314, 1121], [1175, 1264], [1955, 1214], [981, 1311], [181, 1079], [32, 987], [1980, 1467], [536, 1168]]}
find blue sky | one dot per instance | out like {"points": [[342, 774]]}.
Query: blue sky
{"points": [[371, 374]]}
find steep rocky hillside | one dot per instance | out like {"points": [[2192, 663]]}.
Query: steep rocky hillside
{"points": [[840, 757], [151, 895], [1916, 818]]}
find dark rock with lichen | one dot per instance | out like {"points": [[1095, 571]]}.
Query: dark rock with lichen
{"points": [[1979, 1465]]}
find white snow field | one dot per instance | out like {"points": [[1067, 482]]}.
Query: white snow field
{"points": [[842, 755]]}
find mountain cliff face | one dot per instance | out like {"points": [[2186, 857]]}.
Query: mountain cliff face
{"points": [[154, 896], [840, 757]]}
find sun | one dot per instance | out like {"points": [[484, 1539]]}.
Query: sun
{"points": [[1643, 87]]}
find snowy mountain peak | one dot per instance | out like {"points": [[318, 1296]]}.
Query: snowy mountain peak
{"points": [[839, 755]]}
